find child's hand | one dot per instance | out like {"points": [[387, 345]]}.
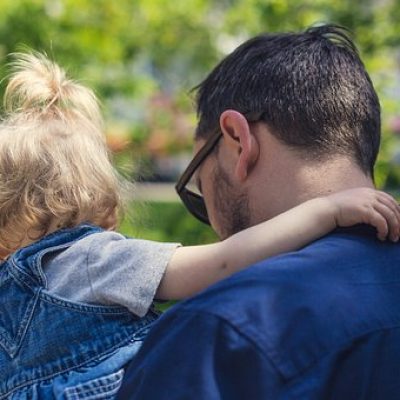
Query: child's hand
{"points": [[369, 206]]}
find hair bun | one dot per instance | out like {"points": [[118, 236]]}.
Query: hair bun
{"points": [[39, 87], [55, 168]]}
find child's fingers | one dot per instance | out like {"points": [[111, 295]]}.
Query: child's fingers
{"points": [[391, 215], [391, 226], [379, 222], [387, 195], [390, 202]]}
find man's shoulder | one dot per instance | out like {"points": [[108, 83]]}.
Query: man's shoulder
{"points": [[334, 260], [301, 305]]}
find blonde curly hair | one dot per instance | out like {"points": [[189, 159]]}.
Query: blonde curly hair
{"points": [[55, 170]]}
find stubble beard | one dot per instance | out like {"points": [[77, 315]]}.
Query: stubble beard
{"points": [[231, 206]]}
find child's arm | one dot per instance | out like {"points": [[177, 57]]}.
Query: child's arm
{"points": [[193, 268]]}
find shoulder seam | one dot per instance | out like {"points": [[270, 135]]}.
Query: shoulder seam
{"points": [[87, 267]]}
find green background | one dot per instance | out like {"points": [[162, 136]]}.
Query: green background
{"points": [[142, 57]]}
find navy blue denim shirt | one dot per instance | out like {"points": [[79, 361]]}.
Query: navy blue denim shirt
{"points": [[52, 348], [319, 323]]}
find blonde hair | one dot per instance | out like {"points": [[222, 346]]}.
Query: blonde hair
{"points": [[55, 170]]}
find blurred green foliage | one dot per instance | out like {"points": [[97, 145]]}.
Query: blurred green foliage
{"points": [[143, 56], [133, 47], [165, 222]]}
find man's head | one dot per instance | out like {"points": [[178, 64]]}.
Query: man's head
{"points": [[315, 107]]}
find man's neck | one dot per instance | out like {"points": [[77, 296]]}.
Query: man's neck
{"points": [[293, 184]]}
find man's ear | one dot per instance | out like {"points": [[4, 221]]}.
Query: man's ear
{"points": [[237, 134]]}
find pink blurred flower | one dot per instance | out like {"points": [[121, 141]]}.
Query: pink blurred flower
{"points": [[394, 125]]}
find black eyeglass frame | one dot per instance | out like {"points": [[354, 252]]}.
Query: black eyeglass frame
{"points": [[193, 201]]}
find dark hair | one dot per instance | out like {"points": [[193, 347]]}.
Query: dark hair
{"points": [[312, 88]]}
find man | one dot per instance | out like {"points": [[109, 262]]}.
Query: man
{"points": [[283, 119]]}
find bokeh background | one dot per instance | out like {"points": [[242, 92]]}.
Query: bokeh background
{"points": [[142, 57]]}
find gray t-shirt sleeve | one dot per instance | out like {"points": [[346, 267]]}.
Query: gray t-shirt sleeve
{"points": [[107, 268]]}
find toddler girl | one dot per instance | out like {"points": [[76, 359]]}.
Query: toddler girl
{"points": [[76, 296]]}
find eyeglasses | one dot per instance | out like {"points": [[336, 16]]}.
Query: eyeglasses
{"points": [[194, 202]]}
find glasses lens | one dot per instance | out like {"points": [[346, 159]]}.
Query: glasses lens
{"points": [[195, 204]]}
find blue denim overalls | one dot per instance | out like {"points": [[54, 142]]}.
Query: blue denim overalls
{"points": [[52, 348]]}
